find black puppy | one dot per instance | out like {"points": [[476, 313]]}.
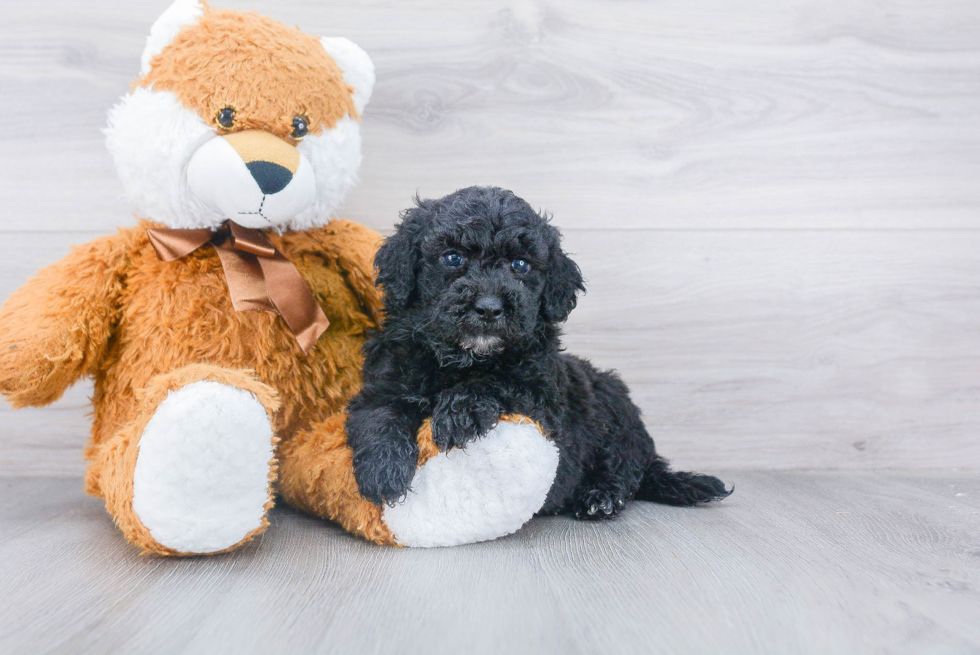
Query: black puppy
{"points": [[475, 286]]}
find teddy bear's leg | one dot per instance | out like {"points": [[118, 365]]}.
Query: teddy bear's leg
{"points": [[192, 472], [487, 490], [317, 477]]}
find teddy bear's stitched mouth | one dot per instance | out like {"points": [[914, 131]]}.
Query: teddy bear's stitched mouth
{"points": [[258, 212]]}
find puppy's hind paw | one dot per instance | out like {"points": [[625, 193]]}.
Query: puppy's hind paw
{"points": [[597, 504]]}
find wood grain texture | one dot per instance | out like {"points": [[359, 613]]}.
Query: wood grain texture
{"points": [[834, 562], [636, 114], [790, 349], [775, 204]]}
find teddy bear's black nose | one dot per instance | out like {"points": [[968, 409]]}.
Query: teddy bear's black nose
{"points": [[271, 178]]}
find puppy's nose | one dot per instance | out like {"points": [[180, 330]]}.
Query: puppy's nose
{"points": [[489, 308]]}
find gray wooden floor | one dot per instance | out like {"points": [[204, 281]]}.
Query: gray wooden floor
{"points": [[794, 562]]}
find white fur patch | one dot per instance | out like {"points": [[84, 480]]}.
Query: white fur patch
{"points": [[202, 474], [482, 345], [152, 138], [335, 156], [356, 65], [487, 490], [177, 16]]}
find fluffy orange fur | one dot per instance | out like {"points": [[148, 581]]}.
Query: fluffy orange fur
{"points": [[113, 311], [267, 72], [317, 476]]}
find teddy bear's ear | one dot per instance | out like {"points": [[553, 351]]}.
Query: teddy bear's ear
{"points": [[178, 15], [356, 65]]}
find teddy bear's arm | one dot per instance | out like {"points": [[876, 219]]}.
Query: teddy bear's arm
{"points": [[354, 246], [56, 327]]}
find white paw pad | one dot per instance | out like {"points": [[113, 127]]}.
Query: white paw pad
{"points": [[487, 490], [202, 473]]}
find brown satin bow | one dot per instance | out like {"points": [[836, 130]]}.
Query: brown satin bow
{"points": [[259, 277]]}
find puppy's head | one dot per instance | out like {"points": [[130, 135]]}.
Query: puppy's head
{"points": [[477, 272]]}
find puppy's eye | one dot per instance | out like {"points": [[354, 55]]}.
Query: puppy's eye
{"points": [[300, 127], [520, 266], [452, 260], [225, 118]]}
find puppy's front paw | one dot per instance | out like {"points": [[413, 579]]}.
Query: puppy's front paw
{"points": [[459, 418], [385, 453], [384, 474]]}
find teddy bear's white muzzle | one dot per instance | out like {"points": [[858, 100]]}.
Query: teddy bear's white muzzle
{"points": [[253, 178]]}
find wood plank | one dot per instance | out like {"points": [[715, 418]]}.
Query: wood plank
{"points": [[798, 562], [639, 115], [754, 585]]}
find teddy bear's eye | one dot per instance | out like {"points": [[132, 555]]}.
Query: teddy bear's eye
{"points": [[520, 266], [300, 127], [225, 118]]}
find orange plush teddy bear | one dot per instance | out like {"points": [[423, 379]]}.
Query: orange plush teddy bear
{"points": [[224, 331]]}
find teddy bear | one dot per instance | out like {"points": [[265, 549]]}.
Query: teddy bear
{"points": [[232, 315], [224, 331]]}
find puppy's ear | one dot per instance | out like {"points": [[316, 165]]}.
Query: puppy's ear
{"points": [[563, 281], [398, 259]]}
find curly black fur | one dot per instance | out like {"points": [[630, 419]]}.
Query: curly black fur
{"points": [[466, 343]]}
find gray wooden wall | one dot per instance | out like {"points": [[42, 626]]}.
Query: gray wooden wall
{"points": [[776, 203]]}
